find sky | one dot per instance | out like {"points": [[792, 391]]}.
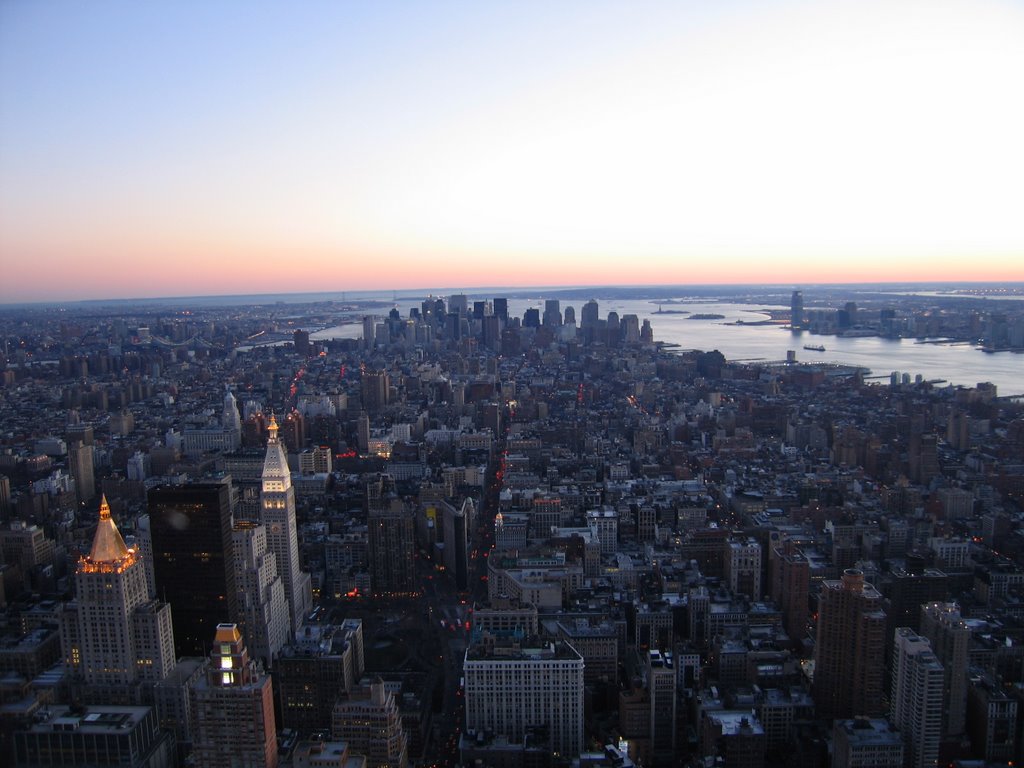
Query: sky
{"points": [[193, 148]]}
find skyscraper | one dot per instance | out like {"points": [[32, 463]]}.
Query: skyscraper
{"points": [[552, 313], [849, 652], [301, 340], [277, 506], [661, 691], [392, 549], [375, 386], [81, 469], [193, 565], [263, 615], [116, 638], [234, 708], [796, 309], [915, 705], [949, 635], [230, 418]]}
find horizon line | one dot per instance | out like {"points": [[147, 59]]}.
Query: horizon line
{"points": [[476, 290]]}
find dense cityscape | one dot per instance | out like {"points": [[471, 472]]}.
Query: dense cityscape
{"points": [[447, 534]]}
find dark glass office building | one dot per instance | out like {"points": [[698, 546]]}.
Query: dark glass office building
{"points": [[192, 560]]}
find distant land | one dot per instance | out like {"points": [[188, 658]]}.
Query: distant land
{"points": [[823, 291]]}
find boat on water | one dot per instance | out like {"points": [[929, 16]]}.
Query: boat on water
{"points": [[814, 347]]}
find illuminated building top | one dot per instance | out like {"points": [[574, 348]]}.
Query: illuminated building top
{"points": [[109, 552], [276, 474]]}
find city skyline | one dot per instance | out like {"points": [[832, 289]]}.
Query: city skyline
{"points": [[177, 150]]}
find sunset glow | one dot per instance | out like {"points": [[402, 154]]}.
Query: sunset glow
{"points": [[178, 149]]}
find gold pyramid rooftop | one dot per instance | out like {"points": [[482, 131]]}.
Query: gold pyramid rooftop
{"points": [[109, 552]]}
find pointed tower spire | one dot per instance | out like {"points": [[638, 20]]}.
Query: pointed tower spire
{"points": [[107, 545], [272, 428]]}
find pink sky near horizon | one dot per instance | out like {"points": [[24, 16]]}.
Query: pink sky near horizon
{"points": [[244, 269], [347, 147]]}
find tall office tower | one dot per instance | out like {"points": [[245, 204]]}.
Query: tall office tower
{"points": [[949, 635], [363, 433], [589, 314], [372, 725], [301, 340], [661, 690], [630, 329], [490, 332], [292, 432], [234, 708], [613, 333], [193, 564], [392, 549], [116, 638], [369, 325], [796, 310], [456, 543], [511, 687], [501, 308], [531, 318], [375, 386], [850, 647], [230, 418], [453, 326], [915, 704], [5, 497], [81, 470], [263, 615], [743, 568], [277, 510], [569, 316], [552, 313], [458, 304]]}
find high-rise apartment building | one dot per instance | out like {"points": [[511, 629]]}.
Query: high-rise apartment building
{"points": [[790, 576], [234, 708], [193, 563], [848, 655], [277, 513], [915, 702], [116, 638], [949, 635], [511, 688]]}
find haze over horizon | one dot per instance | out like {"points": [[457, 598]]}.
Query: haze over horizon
{"points": [[224, 149]]}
